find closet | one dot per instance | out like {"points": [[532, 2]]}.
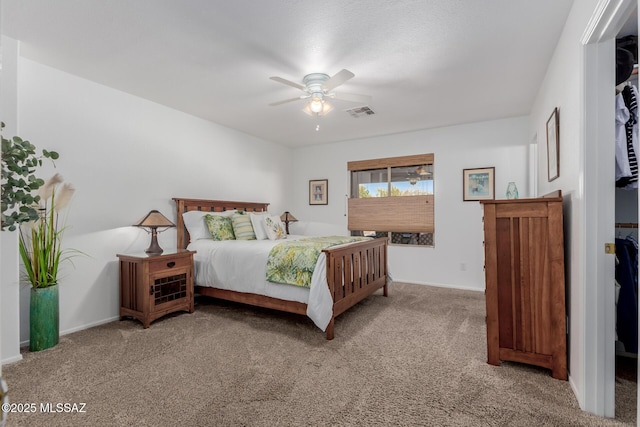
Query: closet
{"points": [[626, 136], [626, 212]]}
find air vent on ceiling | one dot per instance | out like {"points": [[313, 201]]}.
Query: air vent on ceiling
{"points": [[360, 111]]}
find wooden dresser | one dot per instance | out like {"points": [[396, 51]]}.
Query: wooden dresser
{"points": [[525, 289]]}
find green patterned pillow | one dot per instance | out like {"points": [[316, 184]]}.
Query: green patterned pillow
{"points": [[220, 227], [242, 227], [274, 227]]}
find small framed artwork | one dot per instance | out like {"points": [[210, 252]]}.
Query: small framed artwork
{"points": [[478, 184], [553, 145], [318, 189]]}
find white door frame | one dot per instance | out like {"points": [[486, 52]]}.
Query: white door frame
{"points": [[597, 182]]}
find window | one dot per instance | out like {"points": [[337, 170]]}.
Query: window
{"points": [[393, 197]]}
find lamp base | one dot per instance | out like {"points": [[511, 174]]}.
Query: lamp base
{"points": [[154, 248]]}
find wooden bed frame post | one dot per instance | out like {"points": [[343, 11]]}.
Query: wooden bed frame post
{"points": [[385, 273], [330, 328], [181, 231], [329, 261]]}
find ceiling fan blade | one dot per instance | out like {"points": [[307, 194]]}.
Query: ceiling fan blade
{"points": [[297, 98], [339, 78], [287, 82], [353, 97]]}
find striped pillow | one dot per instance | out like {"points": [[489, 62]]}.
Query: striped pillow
{"points": [[242, 227]]}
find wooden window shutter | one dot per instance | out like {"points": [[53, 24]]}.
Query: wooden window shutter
{"points": [[408, 214]]}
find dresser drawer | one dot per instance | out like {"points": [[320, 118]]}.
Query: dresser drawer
{"points": [[169, 264]]}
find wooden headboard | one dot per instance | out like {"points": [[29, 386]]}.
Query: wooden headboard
{"points": [[186, 205]]}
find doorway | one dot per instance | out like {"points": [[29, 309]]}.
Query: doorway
{"points": [[597, 272], [626, 220]]}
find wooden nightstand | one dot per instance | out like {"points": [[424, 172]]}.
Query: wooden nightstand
{"points": [[152, 286]]}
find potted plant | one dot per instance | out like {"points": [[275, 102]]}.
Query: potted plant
{"points": [[40, 231], [41, 253]]}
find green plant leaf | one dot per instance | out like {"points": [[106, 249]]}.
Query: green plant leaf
{"points": [[19, 165]]}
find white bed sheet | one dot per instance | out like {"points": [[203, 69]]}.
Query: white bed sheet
{"points": [[241, 266]]}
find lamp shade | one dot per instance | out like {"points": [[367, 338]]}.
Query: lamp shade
{"points": [[287, 217], [153, 220]]}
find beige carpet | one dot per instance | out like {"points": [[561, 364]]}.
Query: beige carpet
{"points": [[417, 357]]}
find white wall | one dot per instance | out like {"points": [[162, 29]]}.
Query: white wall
{"points": [[9, 286], [459, 231], [563, 87], [126, 156]]}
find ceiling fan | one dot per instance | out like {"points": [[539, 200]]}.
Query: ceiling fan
{"points": [[317, 87], [422, 172]]}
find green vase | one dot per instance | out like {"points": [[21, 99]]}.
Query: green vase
{"points": [[44, 319]]}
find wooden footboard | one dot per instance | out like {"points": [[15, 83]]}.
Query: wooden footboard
{"points": [[354, 271]]}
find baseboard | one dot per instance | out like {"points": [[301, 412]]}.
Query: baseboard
{"points": [[77, 329], [439, 285], [575, 392], [13, 359], [90, 325]]}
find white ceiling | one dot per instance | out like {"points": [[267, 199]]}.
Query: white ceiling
{"points": [[426, 63]]}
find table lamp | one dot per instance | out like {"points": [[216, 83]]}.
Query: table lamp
{"points": [[286, 217], [154, 220]]}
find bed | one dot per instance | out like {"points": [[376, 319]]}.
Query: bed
{"points": [[349, 272]]}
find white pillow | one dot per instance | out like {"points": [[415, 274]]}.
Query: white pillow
{"points": [[196, 226], [257, 220], [275, 227]]}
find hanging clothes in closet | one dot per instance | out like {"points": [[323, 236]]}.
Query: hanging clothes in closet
{"points": [[627, 159], [627, 305], [627, 137], [627, 150]]}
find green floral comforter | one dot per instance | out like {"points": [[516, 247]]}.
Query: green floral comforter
{"points": [[293, 261]]}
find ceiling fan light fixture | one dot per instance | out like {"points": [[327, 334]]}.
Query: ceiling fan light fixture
{"points": [[317, 107], [326, 107], [316, 104], [307, 109], [424, 170], [317, 87]]}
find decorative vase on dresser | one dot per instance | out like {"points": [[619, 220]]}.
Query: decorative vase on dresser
{"points": [[525, 288], [512, 191]]}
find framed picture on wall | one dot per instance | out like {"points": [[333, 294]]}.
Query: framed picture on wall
{"points": [[553, 145], [478, 184], [318, 189]]}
